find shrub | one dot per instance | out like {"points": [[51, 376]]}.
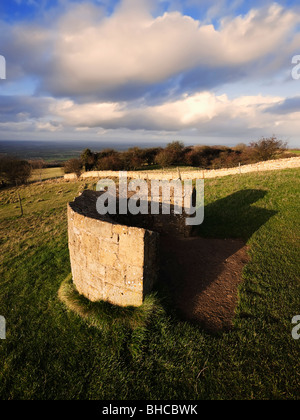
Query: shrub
{"points": [[267, 148], [15, 171], [172, 154], [73, 166], [88, 159], [133, 158], [112, 162]]}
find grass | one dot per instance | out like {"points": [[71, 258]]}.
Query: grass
{"points": [[46, 173], [104, 316], [52, 353]]}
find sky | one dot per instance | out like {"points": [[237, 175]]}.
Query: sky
{"points": [[150, 71]]}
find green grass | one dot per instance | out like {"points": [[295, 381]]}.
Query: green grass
{"points": [[105, 316], [46, 173], [52, 353]]}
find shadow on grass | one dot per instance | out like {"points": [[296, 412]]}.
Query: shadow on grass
{"points": [[199, 277], [203, 273], [234, 216]]}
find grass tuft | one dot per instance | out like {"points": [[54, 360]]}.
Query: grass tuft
{"points": [[105, 316]]}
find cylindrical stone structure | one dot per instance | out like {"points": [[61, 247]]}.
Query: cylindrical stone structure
{"points": [[110, 261]]}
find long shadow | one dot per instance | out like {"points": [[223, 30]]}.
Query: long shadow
{"points": [[203, 272], [234, 216]]}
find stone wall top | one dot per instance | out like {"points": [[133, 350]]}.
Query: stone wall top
{"points": [[194, 174]]}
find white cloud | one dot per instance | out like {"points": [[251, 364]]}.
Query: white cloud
{"points": [[186, 113], [48, 126], [94, 62], [93, 53]]}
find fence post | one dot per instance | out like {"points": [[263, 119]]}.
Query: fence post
{"points": [[179, 174]]}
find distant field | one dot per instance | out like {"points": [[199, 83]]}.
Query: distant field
{"points": [[46, 173], [57, 151], [297, 152], [51, 353]]}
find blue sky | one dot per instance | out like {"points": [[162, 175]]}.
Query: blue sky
{"points": [[16, 10], [150, 70]]}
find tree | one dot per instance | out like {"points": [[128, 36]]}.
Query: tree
{"points": [[15, 171], [73, 166], [240, 147], [149, 154], [109, 160], [133, 158], [267, 148], [172, 154], [202, 156], [164, 159], [195, 157], [176, 151], [88, 159], [38, 165], [227, 159]]}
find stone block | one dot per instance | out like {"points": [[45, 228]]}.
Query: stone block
{"points": [[131, 247], [115, 277], [134, 278], [121, 296]]}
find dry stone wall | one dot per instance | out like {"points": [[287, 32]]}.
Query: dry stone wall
{"points": [[194, 174]]}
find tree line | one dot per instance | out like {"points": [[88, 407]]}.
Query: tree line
{"points": [[177, 154], [16, 171]]}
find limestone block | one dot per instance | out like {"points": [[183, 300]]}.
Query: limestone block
{"points": [[108, 253], [115, 277], [131, 247], [134, 278], [122, 296], [120, 229]]}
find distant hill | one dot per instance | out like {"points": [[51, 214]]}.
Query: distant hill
{"points": [[58, 151]]}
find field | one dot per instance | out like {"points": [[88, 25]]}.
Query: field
{"points": [[51, 353], [46, 173]]}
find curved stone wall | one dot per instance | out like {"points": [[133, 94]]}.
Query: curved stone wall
{"points": [[110, 261]]}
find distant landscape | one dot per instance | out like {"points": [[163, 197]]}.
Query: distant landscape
{"points": [[57, 151]]}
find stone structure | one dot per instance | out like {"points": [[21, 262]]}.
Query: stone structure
{"points": [[269, 165], [110, 261], [115, 258]]}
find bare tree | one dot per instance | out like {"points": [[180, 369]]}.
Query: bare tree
{"points": [[38, 165], [73, 166], [267, 148]]}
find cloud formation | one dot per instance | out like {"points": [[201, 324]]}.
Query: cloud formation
{"points": [[135, 70]]}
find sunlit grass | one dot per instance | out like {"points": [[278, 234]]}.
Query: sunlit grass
{"points": [[46, 173], [53, 353]]}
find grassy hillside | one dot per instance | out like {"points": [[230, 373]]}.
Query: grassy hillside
{"points": [[51, 353], [46, 173]]}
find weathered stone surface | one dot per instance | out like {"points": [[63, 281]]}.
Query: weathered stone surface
{"points": [[115, 257], [131, 246], [123, 296], [110, 261]]}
